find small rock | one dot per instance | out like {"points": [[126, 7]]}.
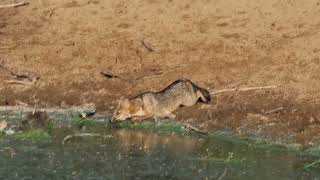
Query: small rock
{"points": [[272, 124], [9, 132], [37, 119], [313, 120], [86, 109], [3, 125]]}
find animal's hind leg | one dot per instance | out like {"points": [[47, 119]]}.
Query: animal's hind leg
{"points": [[138, 119], [168, 115]]}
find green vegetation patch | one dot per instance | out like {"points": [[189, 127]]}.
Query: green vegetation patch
{"points": [[158, 127], [11, 117], [315, 150], [33, 134], [88, 122]]}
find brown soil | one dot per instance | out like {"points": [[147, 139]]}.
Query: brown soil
{"points": [[150, 43]]}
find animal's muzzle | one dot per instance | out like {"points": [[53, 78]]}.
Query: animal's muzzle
{"points": [[113, 119]]}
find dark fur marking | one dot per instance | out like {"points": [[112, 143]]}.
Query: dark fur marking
{"points": [[195, 88]]}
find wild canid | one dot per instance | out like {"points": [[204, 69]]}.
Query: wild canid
{"points": [[161, 104]]}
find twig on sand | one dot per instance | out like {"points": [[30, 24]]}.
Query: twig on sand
{"points": [[146, 46], [14, 5], [223, 174], [274, 110], [111, 76], [20, 82], [242, 89], [108, 75], [145, 75], [80, 135]]}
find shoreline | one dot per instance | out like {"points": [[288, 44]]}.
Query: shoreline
{"points": [[169, 126]]}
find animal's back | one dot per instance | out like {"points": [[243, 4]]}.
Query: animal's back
{"points": [[181, 92]]}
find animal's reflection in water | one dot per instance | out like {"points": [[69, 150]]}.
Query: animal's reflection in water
{"points": [[148, 142]]}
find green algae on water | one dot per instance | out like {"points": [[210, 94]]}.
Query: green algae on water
{"points": [[80, 122], [158, 127], [33, 134]]}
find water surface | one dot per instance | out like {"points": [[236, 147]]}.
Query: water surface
{"points": [[142, 154]]}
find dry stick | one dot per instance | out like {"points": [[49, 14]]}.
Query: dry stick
{"points": [[20, 82], [242, 89], [14, 5], [274, 110], [34, 109], [108, 75], [147, 46], [80, 135], [223, 174]]}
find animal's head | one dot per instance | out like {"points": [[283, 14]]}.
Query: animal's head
{"points": [[127, 109]]}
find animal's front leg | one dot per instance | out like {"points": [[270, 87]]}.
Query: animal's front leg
{"points": [[156, 119], [167, 115]]}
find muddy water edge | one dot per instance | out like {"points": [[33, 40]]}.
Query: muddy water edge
{"points": [[147, 150]]}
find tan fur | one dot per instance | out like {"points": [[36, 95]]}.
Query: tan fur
{"points": [[160, 104]]}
